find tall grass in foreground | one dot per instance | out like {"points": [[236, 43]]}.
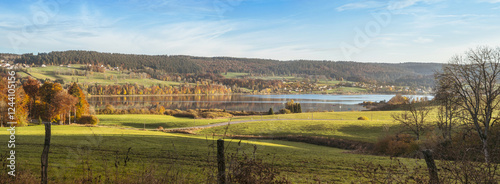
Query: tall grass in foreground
{"points": [[89, 159]]}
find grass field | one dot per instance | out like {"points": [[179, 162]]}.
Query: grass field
{"points": [[78, 153], [107, 78], [367, 131], [343, 125], [153, 121]]}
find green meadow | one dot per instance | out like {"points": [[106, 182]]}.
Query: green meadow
{"points": [[366, 131], [80, 153], [151, 121], [343, 125]]}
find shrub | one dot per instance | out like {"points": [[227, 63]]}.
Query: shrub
{"points": [[144, 111], [132, 111], [88, 120], [249, 169], [160, 109], [293, 107], [215, 115], [363, 118], [187, 114], [169, 112], [285, 111], [271, 112], [396, 145], [398, 100], [109, 109]]}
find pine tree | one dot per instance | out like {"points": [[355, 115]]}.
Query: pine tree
{"points": [[271, 112], [299, 109]]}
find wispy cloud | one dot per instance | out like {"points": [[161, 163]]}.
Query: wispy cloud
{"points": [[489, 1], [193, 27], [404, 4], [423, 40], [360, 5], [396, 5]]}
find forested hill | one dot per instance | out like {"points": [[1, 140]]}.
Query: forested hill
{"points": [[414, 73]]}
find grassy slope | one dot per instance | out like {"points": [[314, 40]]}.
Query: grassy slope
{"points": [[96, 77], [342, 125], [74, 149], [352, 130], [292, 78], [329, 124], [153, 121]]}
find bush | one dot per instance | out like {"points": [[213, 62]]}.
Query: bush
{"points": [[363, 118], [186, 114], [215, 115], [271, 112], [398, 100], [285, 111], [109, 109], [88, 120], [396, 145]]}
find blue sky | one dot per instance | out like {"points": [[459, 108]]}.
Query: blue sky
{"points": [[354, 30]]}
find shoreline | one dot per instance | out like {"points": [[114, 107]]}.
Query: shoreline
{"points": [[426, 94]]}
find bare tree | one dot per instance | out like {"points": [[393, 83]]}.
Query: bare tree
{"points": [[414, 117], [448, 110], [474, 78]]}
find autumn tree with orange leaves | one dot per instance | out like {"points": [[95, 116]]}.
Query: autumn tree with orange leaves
{"points": [[82, 106]]}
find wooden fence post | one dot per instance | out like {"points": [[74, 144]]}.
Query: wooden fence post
{"points": [[429, 160], [221, 162], [45, 152]]}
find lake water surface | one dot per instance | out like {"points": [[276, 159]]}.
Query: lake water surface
{"points": [[309, 102]]}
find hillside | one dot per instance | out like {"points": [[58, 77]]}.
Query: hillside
{"points": [[396, 74]]}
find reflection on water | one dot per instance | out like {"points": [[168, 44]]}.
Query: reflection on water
{"points": [[309, 102]]}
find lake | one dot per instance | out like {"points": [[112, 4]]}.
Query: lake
{"points": [[309, 102]]}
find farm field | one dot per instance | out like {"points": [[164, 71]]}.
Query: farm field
{"points": [[81, 153]]}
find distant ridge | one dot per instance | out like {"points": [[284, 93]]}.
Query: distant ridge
{"points": [[387, 73]]}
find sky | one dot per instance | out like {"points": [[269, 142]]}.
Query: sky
{"points": [[336, 30]]}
